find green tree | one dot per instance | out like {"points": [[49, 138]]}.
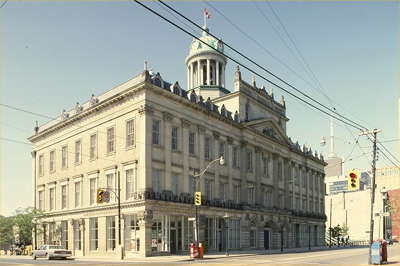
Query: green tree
{"points": [[7, 232], [23, 220], [344, 230]]}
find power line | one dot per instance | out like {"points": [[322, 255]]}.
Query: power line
{"points": [[16, 141], [249, 69]]}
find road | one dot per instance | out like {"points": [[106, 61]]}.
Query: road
{"points": [[342, 256]]}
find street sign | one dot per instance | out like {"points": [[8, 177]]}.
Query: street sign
{"points": [[191, 219], [382, 214], [106, 196]]}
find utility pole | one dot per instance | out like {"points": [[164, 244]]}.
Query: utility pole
{"points": [[330, 226], [371, 230]]}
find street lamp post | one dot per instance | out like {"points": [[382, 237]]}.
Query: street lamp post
{"points": [[384, 194], [226, 219], [35, 224], [195, 183]]}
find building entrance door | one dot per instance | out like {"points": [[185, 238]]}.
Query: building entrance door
{"points": [[266, 239], [172, 241]]}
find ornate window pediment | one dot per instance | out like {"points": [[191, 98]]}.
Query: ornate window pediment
{"points": [[175, 88], [193, 97], [157, 80]]}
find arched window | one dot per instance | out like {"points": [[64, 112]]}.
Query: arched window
{"points": [[157, 82], [177, 90], [208, 105], [253, 235], [193, 97]]}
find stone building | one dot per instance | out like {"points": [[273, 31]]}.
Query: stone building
{"points": [[149, 137]]}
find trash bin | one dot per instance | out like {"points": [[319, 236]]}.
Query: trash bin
{"points": [[201, 250]]}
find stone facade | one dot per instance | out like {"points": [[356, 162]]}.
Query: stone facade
{"points": [[151, 136]]}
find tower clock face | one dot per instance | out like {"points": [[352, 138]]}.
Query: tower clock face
{"points": [[220, 46]]}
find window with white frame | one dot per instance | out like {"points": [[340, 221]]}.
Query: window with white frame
{"points": [[174, 139], [280, 170], [64, 234], [249, 161], [209, 189], [235, 162], [156, 180], [110, 139], [77, 194], [234, 233], [64, 197], [174, 183], [130, 184], [267, 198], [156, 132], [222, 192], [192, 143], [110, 233], [250, 195], [52, 161], [130, 133], [77, 235], [41, 200], [93, 191], [207, 148], [111, 185], [253, 235], [280, 200], [265, 165], [236, 194], [93, 146], [94, 233], [52, 198], [77, 151], [131, 232], [64, 156], [222, 150], [41, 165]]}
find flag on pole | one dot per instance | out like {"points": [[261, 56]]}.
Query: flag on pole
{"points": [[206, 13]]}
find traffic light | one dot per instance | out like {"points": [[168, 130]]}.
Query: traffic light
{"points": [[353, 180], [197, 198], [100, 195]]}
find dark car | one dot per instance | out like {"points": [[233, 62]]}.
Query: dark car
{"points": [[389, 241]]}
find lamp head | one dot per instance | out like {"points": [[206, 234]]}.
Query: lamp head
{"points": [[323, 141], [221, 160]]}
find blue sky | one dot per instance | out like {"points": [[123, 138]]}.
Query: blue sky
{"points": [[55, 54]]}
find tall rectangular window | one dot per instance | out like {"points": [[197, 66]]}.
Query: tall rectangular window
{"points": [[236, 194], [41, 166], [280, 201], [111, 185], [93, 146], [94, 233], [249, 161], [52, 161], [222, 150], [77, 194], [77, 235], [131, 233], [110, 139], [235, 162], [93, 191], [268, 198], [130, 133], [110, 233], [250, 195], [63, 196], [130, 184], [222, 192], [156, 132], [175, 184], [192, 143], [280, 170], [265, 166], [64, 234], [207, 148], [52, 198], [156, 180], [209, 189], [191, 186], [175, 138], [64, 154], [77, 151], [41, 200]]}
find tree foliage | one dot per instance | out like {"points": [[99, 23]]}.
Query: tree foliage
{"points": [[7, 232]]}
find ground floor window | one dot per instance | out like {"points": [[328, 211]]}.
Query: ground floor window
{"points": [[234, 233], [253, 235], [77, 235], [213, 233], [132, 233], [110, 229], [94, 234], [64, 234]]}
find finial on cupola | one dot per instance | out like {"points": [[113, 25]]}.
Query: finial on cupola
{"points": [[253, 81], [283, 101], [271, 92]]}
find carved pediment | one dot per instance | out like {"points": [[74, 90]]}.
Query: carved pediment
{"points": [[269, 127]]}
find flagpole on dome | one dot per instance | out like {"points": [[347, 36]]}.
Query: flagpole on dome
{"points": [[204, 13]]}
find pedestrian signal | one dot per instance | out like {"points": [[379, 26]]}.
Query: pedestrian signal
{"points": [[100, 195], [353, 180], [197, 198]]}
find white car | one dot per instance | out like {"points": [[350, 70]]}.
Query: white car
{"points": [[51, 251]]}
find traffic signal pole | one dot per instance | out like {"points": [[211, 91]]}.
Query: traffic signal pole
{"points": [[371, 230]]}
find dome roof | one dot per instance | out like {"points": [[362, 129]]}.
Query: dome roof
{"points": [[198, 46]]}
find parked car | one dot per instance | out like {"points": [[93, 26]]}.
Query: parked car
{"points": [[51, 251], [389, 241]]}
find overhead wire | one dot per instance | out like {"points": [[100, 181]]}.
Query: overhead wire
{"points": [[350, 123]]}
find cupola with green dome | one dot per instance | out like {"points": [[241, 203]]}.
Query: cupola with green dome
{"points": [[206, 64]]}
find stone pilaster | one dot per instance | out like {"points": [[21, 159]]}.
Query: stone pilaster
{"points": [[275, 180], [145, 225], [257, 170]]}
